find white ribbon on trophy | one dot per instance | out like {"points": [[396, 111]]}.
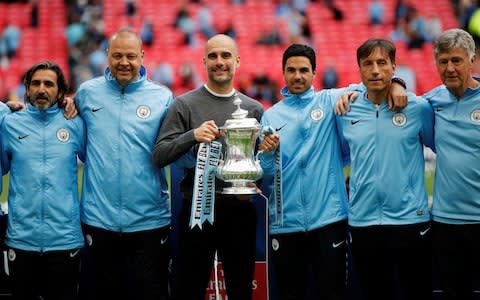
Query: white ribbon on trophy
{"points": [[203, 199], [277, 179], [277, 187]]}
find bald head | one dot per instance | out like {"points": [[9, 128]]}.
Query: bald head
{"points": [[125, 33], [221, 61], [222, 41]]}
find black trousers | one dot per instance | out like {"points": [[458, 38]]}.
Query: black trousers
{"points": [[52, 275], [320, 252], [127, 266], [233, 236], [457, 249], [393, 261]]}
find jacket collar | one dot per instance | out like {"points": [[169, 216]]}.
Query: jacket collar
{"points": [[472, 91], [132, 85], [42, 114], [305, 96]]}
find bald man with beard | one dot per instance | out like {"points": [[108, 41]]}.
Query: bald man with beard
{"points": [[194, 118]]}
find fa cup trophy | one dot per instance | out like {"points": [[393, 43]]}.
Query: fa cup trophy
{"points": [[240, 166]]}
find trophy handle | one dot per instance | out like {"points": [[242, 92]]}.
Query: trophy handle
{"points": [[258, 154]]}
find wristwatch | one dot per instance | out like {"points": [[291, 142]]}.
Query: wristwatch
{"points": [[400, 81]]}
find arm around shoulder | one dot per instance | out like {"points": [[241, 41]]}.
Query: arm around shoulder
{"points": [[428, 124]]}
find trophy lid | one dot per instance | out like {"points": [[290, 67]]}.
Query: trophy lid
{"points": [[239, 113], [239, 118]]}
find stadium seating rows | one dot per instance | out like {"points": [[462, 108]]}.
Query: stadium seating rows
{"points": [[47, 41], [332, 39]]}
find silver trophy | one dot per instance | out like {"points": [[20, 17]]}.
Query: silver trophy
{"points": [[240, 166]]}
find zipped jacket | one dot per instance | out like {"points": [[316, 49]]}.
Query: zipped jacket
{"points": [[387, 176], [313, 187], [40, 149], [456, 193], [122, 190]]}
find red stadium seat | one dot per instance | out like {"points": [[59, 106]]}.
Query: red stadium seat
{"points": [[330, 38]]}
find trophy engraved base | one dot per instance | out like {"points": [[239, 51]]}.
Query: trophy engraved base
{"points": [[240, 188]]}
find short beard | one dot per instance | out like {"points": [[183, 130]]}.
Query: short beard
{"points": [[221, 82], [32, 102]]}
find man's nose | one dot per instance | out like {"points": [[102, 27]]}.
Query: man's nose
{"points": [[124, 60], [41, 88], [219, 61], [450, 66]]}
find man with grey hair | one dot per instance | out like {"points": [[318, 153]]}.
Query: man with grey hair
{"points": [[456, 200]]}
